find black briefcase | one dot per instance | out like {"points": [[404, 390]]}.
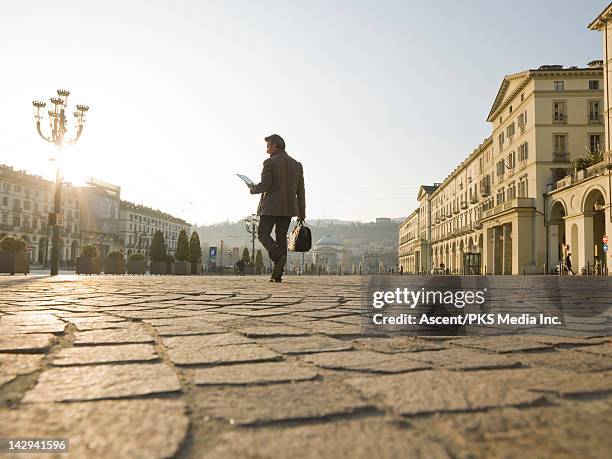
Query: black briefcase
{"points": [[300, 239]]}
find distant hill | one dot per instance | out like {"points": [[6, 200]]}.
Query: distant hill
{"points": [[360, 237]]}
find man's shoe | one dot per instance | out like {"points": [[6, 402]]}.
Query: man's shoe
{"points": [[277, 272]]}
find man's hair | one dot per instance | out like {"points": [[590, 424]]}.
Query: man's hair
{"points": [[276, 139]]}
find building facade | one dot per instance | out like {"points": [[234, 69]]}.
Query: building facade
{"points": [[93, 214], [25, 203], [491, 214], [137, 225]]}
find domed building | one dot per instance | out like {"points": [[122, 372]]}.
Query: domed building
{"points": [[328, 253]]}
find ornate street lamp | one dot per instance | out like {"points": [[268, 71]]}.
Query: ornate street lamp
{"points": [[57, 125], [252, 223]]}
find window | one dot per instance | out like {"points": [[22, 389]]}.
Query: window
{"points": [[559, 115], [511, 160], [510, 130], [523, 190], [499, 198], [4, 201], [593, 85], [594, 111], [594, 142], [26, 205], [16, 205], [559, 147], [5, 218], [522, 97], [6, 187], [523, 151], [500, 139], [510, 109], [558, 86], [522, 120], [501, 168], [511, 191], [16, 220]]}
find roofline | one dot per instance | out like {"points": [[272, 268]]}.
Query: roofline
{"points": [[601, 19], [529, 74], [485, 144]]}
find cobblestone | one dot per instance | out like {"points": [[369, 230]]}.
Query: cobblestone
{"points": [[220, 366]]}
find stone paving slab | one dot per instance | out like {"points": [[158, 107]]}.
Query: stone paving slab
{"points": [[397, 344], [12, 365], [569, 360], [253, 373], [546, 432], [462, 359], [231, 353], [103, 429], [366, 361], [26, 342], [500, 344], [305, 344], [442, 391], [132, 334], [87, 355], [279, 402], [93, 382], [367, 438]]}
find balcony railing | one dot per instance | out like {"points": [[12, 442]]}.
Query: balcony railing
{"points": [[512, 204], [561, 157]]}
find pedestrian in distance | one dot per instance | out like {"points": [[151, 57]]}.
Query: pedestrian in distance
{"points": [[282, 198]]}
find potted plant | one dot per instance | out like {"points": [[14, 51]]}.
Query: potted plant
{"points": [[182, 267], [157, 253], [195, 249], [115, 263], [88, 262], [13, 256], [136, 264], [170, 262]]}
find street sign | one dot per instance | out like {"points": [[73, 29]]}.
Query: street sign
{"points": [[605, 239], [59, 220], [605, 247], [212, 254]]}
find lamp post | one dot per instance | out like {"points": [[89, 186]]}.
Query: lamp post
{"points": [[57, 124], [251, 226]]}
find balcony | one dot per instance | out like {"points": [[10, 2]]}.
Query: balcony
{"points": [[464, 205], [561, 157], [560, 118], [474, 199], [596, 119], [512, 204], [485, 192]]}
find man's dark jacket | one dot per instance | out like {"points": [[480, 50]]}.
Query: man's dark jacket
{"points": [[282, 187]]}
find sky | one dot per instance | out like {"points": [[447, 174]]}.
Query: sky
{"points": [[374, 98]]}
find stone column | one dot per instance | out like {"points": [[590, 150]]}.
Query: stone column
{"points": [[507, 248], [588, 250]]}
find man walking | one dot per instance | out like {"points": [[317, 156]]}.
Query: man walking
{"points": [[282, 197]]}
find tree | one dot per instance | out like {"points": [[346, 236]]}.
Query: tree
{"points": [[245, 256], [157, 252], [258, 261], [195, 247], [182, 247]]}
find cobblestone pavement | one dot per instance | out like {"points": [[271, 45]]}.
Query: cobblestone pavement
{"points": [[237, 367]]}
